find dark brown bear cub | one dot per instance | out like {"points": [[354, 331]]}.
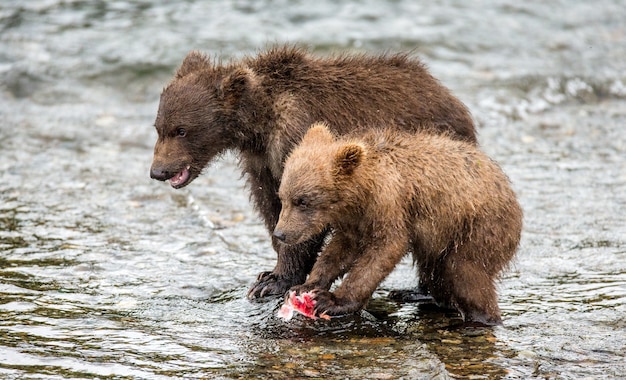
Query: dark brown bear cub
{"points": [[262, 106], [385, 193]]}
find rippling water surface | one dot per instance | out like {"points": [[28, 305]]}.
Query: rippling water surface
{"points": [[107, 274]]}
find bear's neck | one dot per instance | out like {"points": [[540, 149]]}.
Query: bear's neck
{"points": [[253, 121]]}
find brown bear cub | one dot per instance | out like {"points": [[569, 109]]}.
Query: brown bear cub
{"points": [[261, 107], [385, 193]]}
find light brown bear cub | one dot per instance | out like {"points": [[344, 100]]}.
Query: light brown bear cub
{"points": [[385, 193]]}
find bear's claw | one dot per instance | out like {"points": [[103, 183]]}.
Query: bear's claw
{"points": [[326, 303], [269, 284]]}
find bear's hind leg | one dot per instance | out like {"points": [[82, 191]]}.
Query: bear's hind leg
{"points": [[467, 286], [469, 270]]}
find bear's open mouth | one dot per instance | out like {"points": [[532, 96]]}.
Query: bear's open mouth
{"points": [[180, 179]]}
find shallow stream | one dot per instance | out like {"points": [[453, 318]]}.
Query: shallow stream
{"points": [[107, 274]]}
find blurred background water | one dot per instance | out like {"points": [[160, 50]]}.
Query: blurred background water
{"points": [[107, 274]]}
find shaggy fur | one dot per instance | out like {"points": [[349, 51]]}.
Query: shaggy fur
{"points": [[385, 193], [262, 106]]}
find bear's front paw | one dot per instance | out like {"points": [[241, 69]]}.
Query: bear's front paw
{"points": [[269, 284], [327, 303]]}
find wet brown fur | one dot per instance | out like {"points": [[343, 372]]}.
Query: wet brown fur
{"points": [[385, 193], [262, 106]]}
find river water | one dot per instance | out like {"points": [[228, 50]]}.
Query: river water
{"points": [[107, 274]]}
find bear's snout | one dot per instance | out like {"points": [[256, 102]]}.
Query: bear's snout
{"points": [[280, 235], [160, 174], [178, 178]]}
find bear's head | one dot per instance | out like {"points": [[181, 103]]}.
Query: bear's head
{"points": [[317, 186], [197, 118]]}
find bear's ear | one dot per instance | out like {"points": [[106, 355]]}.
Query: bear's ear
{"points": [[319, 132], [234, 84], [348, 158], [193, 62]]}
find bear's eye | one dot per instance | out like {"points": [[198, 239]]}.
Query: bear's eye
{"points": [[300, 202], [181, 132]]}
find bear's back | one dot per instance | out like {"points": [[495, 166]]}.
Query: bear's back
{"points": [[439, 174], [436, 186], [360, 91]]}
